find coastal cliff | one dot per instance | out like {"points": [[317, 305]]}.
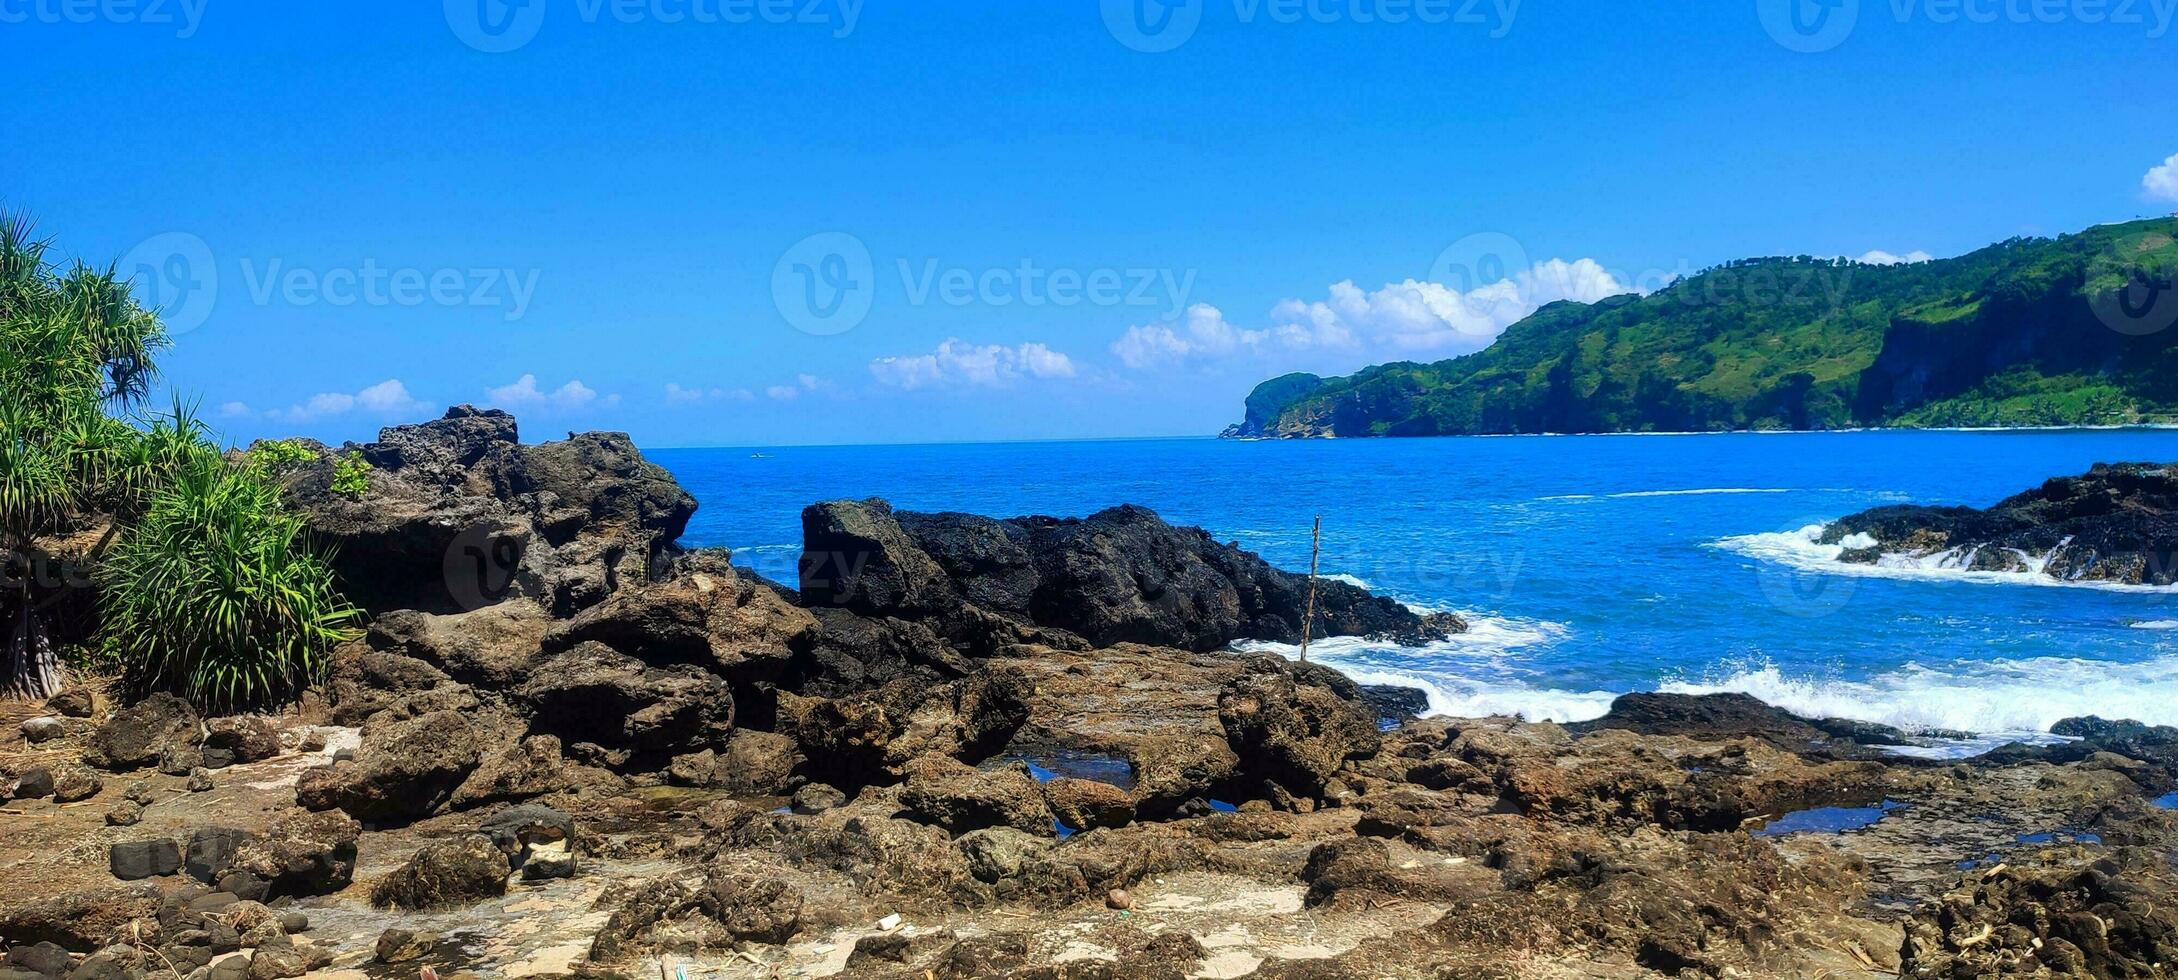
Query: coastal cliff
{"points": [[2073, 330], [969, 747]]}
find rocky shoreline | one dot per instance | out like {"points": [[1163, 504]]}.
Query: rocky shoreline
{"points": [[2115, 524], [961, 746]]}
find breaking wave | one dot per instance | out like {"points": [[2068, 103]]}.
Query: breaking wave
{"points": [[1803, 549]]}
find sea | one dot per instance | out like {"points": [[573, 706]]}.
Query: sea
{"points": [[1588, 566]]}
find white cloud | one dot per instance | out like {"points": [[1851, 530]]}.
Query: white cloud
{"points": [[958, 363], [1881, 257], [388, 397], [234, 410], [803, 384], [524, 393], [677, 395], [2161, 183], [1403, 317]]}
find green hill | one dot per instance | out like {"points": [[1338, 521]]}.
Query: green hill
{"points": [[2075, 330]]}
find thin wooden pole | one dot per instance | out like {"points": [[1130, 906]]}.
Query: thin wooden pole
{"points": [[1315, 550]]}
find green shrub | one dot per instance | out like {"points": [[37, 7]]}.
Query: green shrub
{"points": [[352, 476], [216, 594], [276, 455]]}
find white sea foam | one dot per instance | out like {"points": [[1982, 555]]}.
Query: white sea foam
{"points": [[1996, 697], [1483, 672], [1803, 549], [1637, 494], [1465, 676], [2156, 624]]}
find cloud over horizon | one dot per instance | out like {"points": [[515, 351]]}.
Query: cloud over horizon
{"points": [[524, 393], [2161, 182], [1398, 320], [957, 363]]}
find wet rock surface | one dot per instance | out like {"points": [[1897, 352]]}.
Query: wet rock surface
{"points": [[1000, 749], [2118, 522]]}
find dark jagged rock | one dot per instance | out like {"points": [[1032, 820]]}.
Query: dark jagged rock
{"points": [[405, 769], [446, 873], [239, 740], [75, 702], [138, 859], [538, 841], [81, 921], [595, 694], [459, 515], [959, 798], [299, 855], [2112, 917], [1295, 724], [2116, 523], [702, 612], [1121, 575], [140, 735], [1721, 716]]}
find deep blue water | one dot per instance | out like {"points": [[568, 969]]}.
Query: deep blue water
{"points": [[1591, 566]]}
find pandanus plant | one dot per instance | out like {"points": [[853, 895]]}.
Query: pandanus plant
{"points": [[213, 588]]}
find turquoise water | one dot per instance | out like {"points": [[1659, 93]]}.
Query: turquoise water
{"points": [[1590, 566]]}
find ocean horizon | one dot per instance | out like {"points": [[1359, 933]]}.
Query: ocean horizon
{"points": [[1588, 565]]}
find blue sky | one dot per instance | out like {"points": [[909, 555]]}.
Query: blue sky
{"points": [[724, 222]]}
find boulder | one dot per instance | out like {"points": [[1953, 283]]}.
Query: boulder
{"points": [[817, 798], [947, 793], [40, 730], [529, 769], [140, 735], [2118, 522], [239, 740], [753, 763], [459, 515], [1295, 725], [404, 770], [34, 783], [704, 612], [398, 945], [44, 959], [82, 921], [1120, 575], [299, 855], [127, 813], [753, 908], [139, 859], [538, 841], [1083, 804], [210, 852], [75, 702], [592, 693], [446, 873]]}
